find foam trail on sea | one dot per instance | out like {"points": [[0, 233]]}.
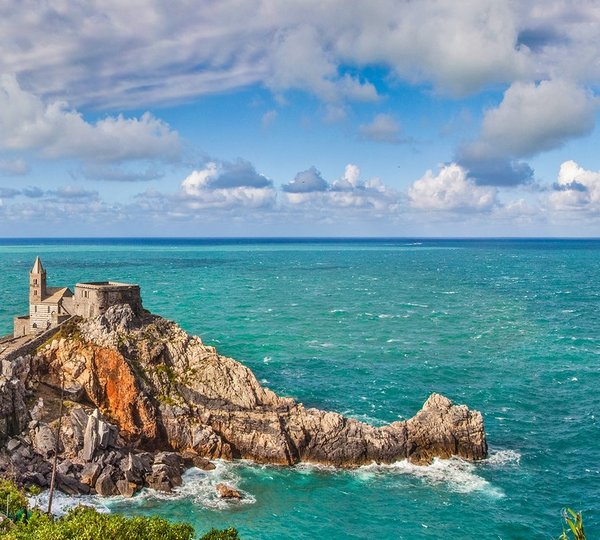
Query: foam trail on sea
{"points": [[458, 475]]}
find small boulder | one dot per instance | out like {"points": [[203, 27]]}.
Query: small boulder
{"points": [[44, 441], [70, 485], [90, 473], [227, 492], [13, 444], [105, 485], [127, 488]]}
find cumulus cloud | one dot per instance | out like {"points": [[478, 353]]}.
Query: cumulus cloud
{"points": [[306, 181], [56, 131], [383, 128], [310, 190], [532, 118], [535, 117], [576, 188], [227, 185], [451, 189]]}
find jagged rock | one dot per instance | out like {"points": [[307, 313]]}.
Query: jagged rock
{"points": [[79, 420], [98, 434], [44, 441], [170, 459], [14, 415], [34, 478], [90, 473], [227, 492], [64, 467], [74, 391], [160, 479], [127, 488], [17, 368], [192, 459], [37, 411], [133, 468], [105, 485], [168, 392], [13, 444], [70, 485]]}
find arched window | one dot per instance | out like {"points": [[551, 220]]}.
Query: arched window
{"points": [[34, 325]]}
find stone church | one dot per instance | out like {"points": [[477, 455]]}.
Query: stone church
{"points": [[50, 306]]}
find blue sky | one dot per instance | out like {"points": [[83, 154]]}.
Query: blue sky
{"points": [[299, 118]]}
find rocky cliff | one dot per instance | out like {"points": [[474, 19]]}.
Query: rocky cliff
{"points": [[147, 399]]}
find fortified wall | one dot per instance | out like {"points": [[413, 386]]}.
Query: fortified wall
{"points": [[93, 299]]}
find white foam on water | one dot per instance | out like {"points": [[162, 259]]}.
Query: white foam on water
{"points": [[503, 458], [62, 503], [200, 487], [458, 475]]}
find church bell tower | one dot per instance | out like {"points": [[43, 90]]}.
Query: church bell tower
{"points": [[37, 282]]}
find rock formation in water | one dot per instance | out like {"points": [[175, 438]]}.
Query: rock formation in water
{"points": [[147, 400]]}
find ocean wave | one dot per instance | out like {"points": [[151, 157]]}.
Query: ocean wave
{"points": [[455, 474], [503, 458], [458, 475], [200, 487]]}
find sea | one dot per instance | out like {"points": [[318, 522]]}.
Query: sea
{"points": [[370, 328]]}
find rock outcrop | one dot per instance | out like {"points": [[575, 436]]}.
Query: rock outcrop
{"points": [[162, 390]]}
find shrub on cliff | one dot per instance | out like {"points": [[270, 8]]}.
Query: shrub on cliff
{"points": [[84, 523]]}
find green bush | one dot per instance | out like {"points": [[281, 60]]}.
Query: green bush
{"points": [[87, 524], [225, 534], [84, 523], [12, 500]]}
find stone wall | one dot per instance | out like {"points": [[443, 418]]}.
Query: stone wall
{"points": [[30, 345], [93, 299], [21, 326]]}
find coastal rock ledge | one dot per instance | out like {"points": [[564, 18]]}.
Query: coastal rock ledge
{"points": [[148, 399]]}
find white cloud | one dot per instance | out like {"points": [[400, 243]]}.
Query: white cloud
{"points": [[226, 185], [310, 190], [13, 167], [27, 123], [176, 51], [577, 189], [307, 181], [383, 128], [451, 189], [533, 118]]}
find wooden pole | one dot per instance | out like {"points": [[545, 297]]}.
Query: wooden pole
{"points": [[57, 447]]}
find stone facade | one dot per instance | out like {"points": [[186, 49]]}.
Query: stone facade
{"points": [[93, 299], [49, 306]]}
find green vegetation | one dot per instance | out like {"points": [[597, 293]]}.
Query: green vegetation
{"points": [[575, 523], [12, 501], [85, 523]]}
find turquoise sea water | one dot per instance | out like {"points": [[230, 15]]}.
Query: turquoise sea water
{"points": [[370, 329]]}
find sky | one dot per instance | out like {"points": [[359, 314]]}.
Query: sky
{"points": [[299, 118]]}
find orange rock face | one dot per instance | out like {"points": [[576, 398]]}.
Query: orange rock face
{"points": [[117, 392]]}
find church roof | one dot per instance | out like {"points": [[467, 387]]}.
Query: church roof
{"points": [[57, 294], [37, 266]]}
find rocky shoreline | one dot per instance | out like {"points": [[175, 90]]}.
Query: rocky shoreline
{"points": [[144, 401]]}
